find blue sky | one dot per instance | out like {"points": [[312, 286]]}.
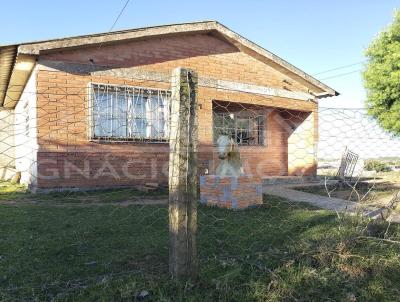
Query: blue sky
{"points": [[313, 35]]}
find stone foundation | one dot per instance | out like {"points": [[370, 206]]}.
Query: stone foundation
{"points": [[231, 192]]}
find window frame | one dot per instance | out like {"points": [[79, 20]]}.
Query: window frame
{"points": [[261, 122], [121, 139]]}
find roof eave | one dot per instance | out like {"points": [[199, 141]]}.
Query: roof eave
{"points": [[117, 36], [20, 72], [274, 58], [7, 60], [27, 51]]}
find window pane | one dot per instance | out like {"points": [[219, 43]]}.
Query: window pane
{"points": [[162, 118], [120, 115], [139, 115], [259, 125], [229, 125], [102, 122], [242, 130], [218, 126], [245, 127], [155, 114], [224, 124]]}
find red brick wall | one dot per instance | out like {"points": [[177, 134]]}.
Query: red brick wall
{"points": [[209, 56], [68, 158]]}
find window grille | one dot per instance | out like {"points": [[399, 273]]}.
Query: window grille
{"points": [[246, 128], [129, 113]]}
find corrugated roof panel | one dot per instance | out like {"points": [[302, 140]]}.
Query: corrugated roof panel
{"points": [[7, 60]]}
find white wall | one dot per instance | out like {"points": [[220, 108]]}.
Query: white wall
{"points": [[302, 147], [26, 145], [7, 143]]}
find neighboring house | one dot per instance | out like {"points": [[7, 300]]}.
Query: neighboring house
{"points": [[92, 111]]}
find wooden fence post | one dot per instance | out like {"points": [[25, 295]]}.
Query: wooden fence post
{"points": [[183, 196]]}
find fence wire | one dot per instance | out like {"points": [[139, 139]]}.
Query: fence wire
{"points": [[84, 213]]}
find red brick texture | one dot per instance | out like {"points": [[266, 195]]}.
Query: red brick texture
{"points": [[68, 158], [231, 192]]}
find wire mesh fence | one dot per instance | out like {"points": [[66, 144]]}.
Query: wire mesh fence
{"points": [[101, 187]]}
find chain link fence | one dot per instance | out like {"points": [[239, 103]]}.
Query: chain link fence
{"points": [[100, 197]]}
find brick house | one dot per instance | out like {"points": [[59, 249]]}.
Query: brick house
{"points": [[92, 111]]}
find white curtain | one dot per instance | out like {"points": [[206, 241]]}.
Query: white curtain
{"points": [[127, 112]]}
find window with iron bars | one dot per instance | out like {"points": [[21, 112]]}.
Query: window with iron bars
{"points": [[129, 113], [245, 129]]}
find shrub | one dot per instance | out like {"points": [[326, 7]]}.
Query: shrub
{"points": [[376, 165]]}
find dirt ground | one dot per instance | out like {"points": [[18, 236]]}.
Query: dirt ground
{"points": [[378, 189]]}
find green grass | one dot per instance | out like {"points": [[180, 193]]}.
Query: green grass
{"points": [[277, 252], [20, 193]]}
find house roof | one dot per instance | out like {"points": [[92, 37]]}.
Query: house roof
{"points": [[18, 60]]}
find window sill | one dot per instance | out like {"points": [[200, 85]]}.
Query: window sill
{"points": [[252, 146], [106, 141], [247, 146]]}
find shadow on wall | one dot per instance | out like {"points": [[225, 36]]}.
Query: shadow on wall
{"points": [[302, 139]]}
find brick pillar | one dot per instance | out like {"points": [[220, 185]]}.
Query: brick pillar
{"points": [[183, 174]]}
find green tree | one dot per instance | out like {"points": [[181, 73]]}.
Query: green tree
{"points": [[382, 77]]}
